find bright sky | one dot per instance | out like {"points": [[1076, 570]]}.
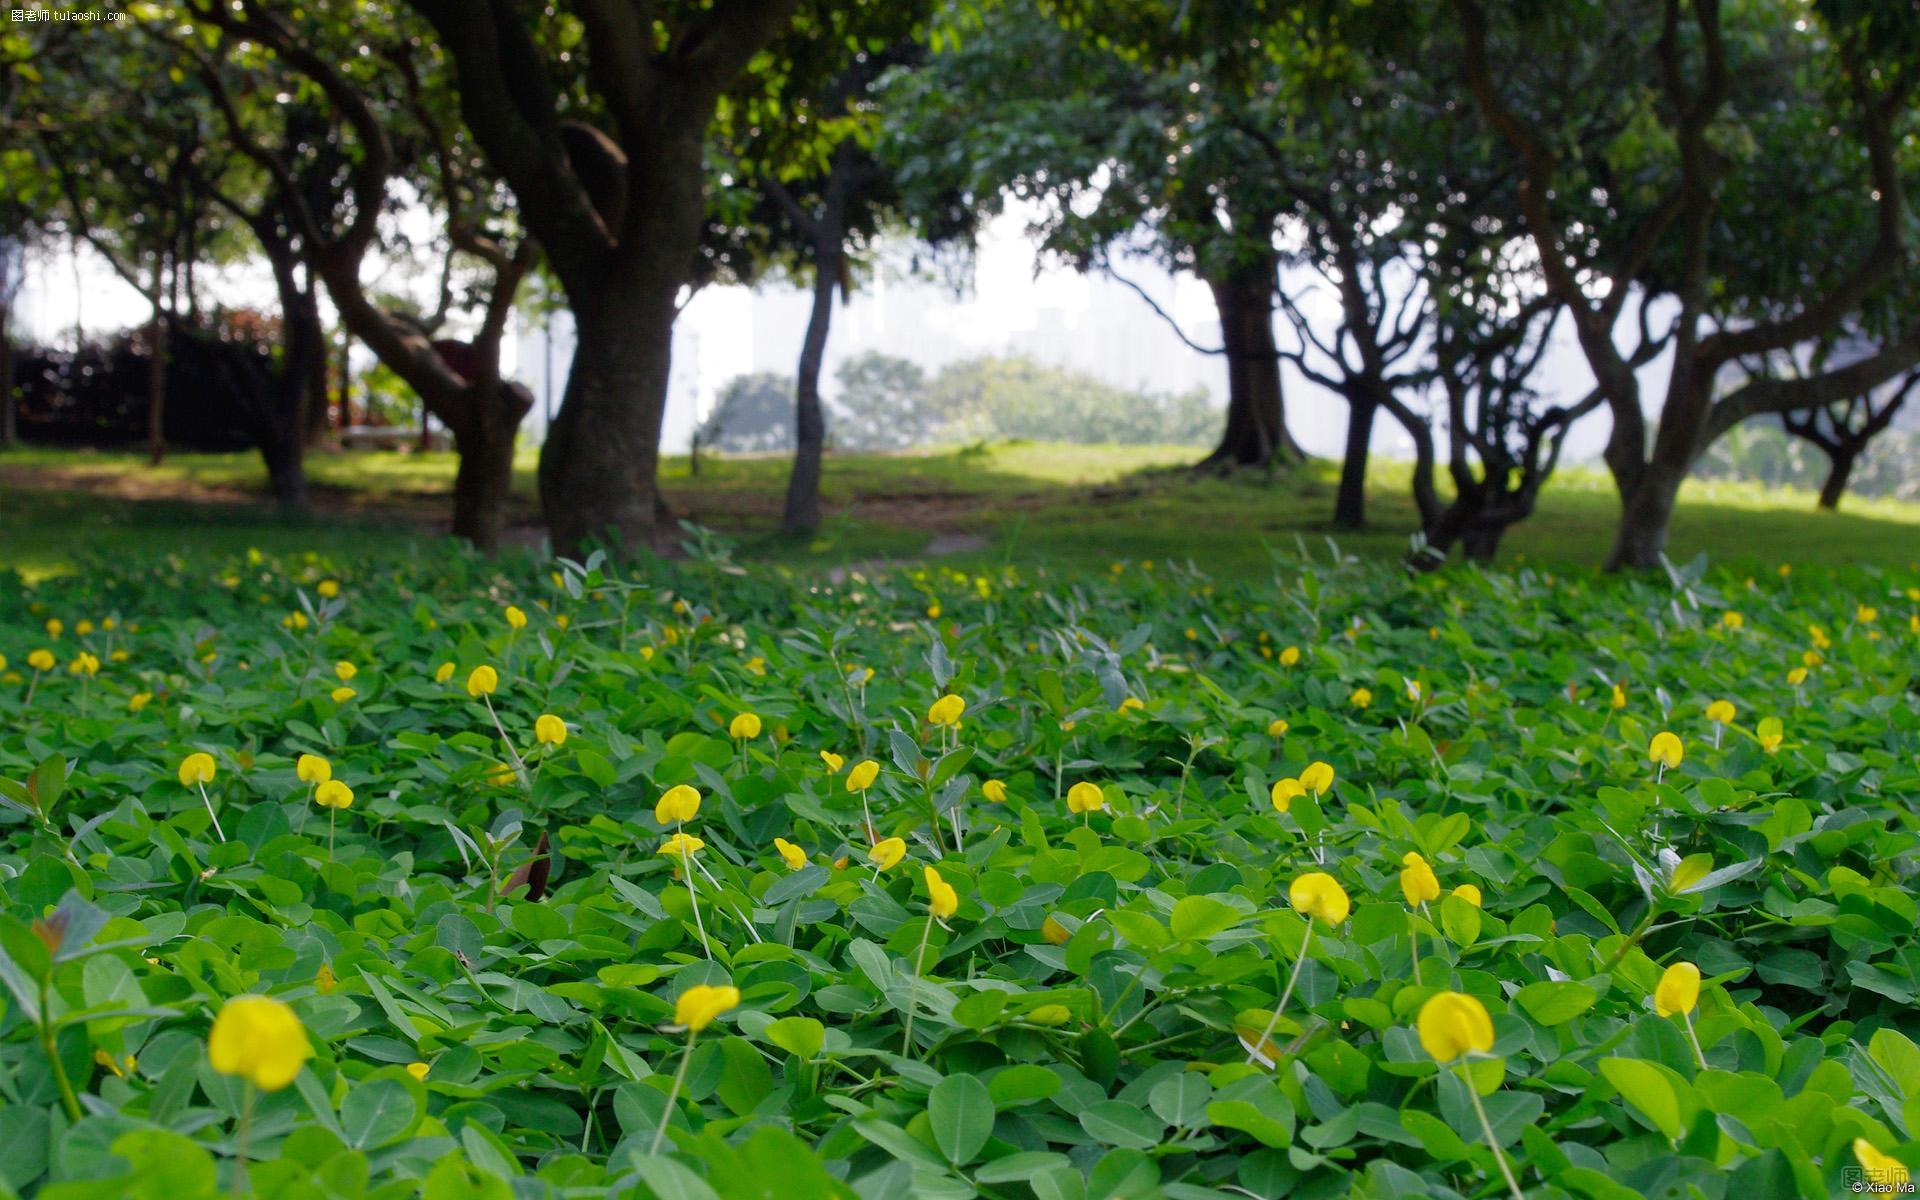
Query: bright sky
{"points": [[1057, 316]]}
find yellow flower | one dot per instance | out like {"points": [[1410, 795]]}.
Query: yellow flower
{"points": [[1290, 656], [746, 727], [792, 855], [1619, 696], [887, 854], [1469, 893], [1054, 932], [1797, 676], [1417, 881], [311, 768], [1130, 704], [83, 628], [1317, 778], [260, 1040], [333, 794], [1811, 658], [862, 776], [1284, 793], [1732, 620], [1452, 1024], [1866, 614], [346, 671], [138, 701], [328, 588], [1721, 711], [1770, 732], [443, 672], [483, 680], [1665, 749], [1678, 990], [515, 617], [84, 664], [680, 804], [700, 1004], [994, 790], [1881, 1167], [1361, 698], [680, 845], [54, 627], [501, 774], [418, 1070], [834, 761], [933, 612], [757, 665], [946, 710], [942, 900], [549, 730], [342, 694], [1318, 894], [1277, 727], [196, 768], [41, 660], [1085, 797], [294, 620]]}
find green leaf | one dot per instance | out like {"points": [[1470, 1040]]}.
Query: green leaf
{"points": [[1650, 1089], [376, 1113], [801, 1036], [1196, 918], [1117, 1123], [960, 1112], [1555, 1002]]}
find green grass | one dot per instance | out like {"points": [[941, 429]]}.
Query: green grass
{"points": [[1071, 506]]}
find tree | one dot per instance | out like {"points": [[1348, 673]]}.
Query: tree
{"points": [[618, 210], [1841, 429], [1124, 140], [884, 404], [803, 137], [335, 229], [753, 414], [1705, 128]]}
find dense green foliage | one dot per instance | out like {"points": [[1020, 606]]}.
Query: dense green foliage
{"points": [[1079, 1027], [888, 403]]}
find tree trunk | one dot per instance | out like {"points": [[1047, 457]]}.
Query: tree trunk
{"points": [[1350, 502], [809, 422], [1646, 511], [1839, 469], [598, 468], [313, 413], [1256, 434], [286, 468], [156, 387], [344, 397], [8, 430], [483, 482]]}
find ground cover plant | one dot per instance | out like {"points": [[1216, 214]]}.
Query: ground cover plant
{"points": [[428, 875]]}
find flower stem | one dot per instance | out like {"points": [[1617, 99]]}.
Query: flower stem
{"points": [[1292, 980], [49, 1044], [1698, 1054], [240, 1144], [913, 991], [1486, 1127], [686, 871], [673, 1093], [209, 803]]}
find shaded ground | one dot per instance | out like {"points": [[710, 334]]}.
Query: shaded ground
{"points": [[1067, 505]]}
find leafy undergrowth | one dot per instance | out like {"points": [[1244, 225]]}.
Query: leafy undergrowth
{"points": [[1119, 884]]}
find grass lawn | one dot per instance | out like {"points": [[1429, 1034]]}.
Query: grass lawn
{"points": [[1065, 505]]}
